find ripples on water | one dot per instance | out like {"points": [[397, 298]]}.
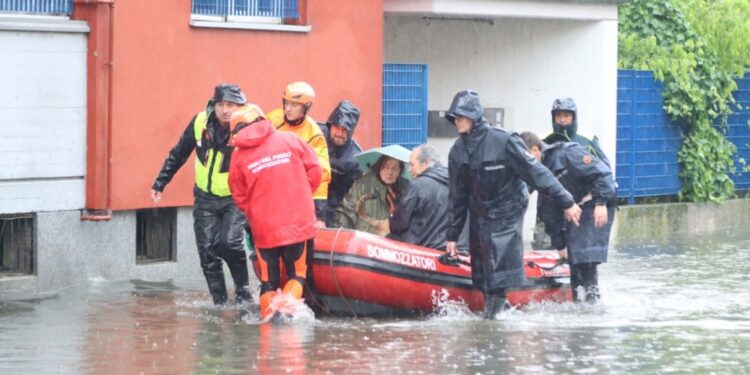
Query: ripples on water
{"points": [[678, 307]]}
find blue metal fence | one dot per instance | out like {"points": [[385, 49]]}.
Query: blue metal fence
{"points": [[648, 142], [37, 6], [405, 104], [249, 8], [738, 131]]}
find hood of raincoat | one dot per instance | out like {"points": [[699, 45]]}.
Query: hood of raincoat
{"points": [[437, 173], [346, 115], [466, 104], [567, 104], [253, 135]]}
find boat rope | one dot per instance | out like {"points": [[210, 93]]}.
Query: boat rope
{"points": [[558, 263], [313, 296], [333, 273]]}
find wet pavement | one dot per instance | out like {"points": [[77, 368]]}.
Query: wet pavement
{"points": [[676, 307]]}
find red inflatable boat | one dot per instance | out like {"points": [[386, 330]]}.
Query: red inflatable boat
{"points": [[361, 274]]}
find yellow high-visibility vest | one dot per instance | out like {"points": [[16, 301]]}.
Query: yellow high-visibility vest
{"points": [[208, 176]]}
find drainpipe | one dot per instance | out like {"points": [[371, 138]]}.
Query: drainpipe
{"points": [[99, 66]]}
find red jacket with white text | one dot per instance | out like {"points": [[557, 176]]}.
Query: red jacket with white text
{"points": [[272, 177]]}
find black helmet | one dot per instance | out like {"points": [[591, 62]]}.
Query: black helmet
{"points": [[230, 93]]}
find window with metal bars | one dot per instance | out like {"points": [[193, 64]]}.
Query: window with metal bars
{"points": [[41, 7], [250, 11], [17, 244], [155, 235]]}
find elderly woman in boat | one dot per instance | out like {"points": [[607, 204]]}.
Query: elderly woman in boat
{"points": [[374, 196]]}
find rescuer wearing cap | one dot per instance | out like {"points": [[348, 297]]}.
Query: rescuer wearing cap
{"points": [[218, 223]]}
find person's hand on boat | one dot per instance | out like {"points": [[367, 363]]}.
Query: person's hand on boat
{"points": [[381, 226], [600, 216], [320, 224], [573, 214], [452, 248], [563, 253], [360, 208]]}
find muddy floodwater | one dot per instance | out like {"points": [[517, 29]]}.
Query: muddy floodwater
{"points": [[680, 306]]}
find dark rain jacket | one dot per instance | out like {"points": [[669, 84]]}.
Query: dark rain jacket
{"points": [[488, 167], [590, 181], [421, 217], [345, 169], [219, 224], [215, 137]]}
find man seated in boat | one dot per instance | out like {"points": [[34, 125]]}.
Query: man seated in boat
{"points": [[590, 181], [373, 197], [345, 169], [421, 217]]}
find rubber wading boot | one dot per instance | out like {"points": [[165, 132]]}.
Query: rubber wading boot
{"points": [[243, 294], [576, 280], [592, 294], [265, 302], [295, 288], [493, 305], [241, 280], [218, 289]]}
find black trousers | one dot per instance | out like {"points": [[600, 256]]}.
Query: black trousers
{"points": [[587, 276], [219, 232]]}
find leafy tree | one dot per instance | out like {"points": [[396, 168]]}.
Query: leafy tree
{"points": [[697, 48]]}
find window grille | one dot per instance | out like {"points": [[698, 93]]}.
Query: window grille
{"points": [[226, 9], [17, 243], [405, 104], [46, 7], [155, 235]]}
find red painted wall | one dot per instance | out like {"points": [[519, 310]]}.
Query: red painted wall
{"points": [[165, 70]]}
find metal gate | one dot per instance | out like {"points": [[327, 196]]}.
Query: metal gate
{"points": [[405, 104]]}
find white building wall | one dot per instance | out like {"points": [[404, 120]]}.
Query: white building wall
{"points": [[43, 166], [520, 65], [43, 111]]}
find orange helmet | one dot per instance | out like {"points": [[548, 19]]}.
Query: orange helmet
{"points": [[247, 114], [299, 92]]}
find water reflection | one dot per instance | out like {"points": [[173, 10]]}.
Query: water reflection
{"points": [[681, 306], [139, 332]]}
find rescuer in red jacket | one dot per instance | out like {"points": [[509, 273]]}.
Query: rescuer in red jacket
{"points": [[272, 177]]}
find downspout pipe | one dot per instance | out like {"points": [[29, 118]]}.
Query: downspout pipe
{"points": [[100, 16]]}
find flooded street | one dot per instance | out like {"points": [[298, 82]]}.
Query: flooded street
{"points": [[676, 307]]}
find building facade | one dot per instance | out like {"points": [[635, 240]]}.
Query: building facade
{"points": [[95, 98]]}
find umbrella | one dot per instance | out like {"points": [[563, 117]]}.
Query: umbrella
{"points": [[368, 158]]}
